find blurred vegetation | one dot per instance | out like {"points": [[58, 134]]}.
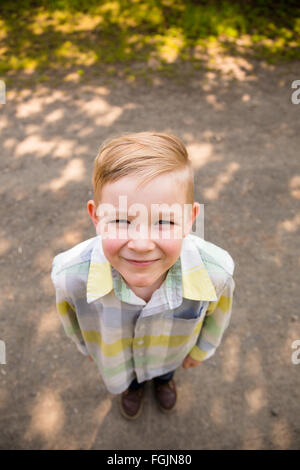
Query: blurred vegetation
{"points": [[61, 35]]}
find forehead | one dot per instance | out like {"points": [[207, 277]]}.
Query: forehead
{"points": [[163, 189]]}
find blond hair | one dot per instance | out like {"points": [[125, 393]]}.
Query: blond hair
{"points": [[146, 155]]}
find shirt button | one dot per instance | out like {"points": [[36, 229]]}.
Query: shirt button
{"points": [[140, 342]]}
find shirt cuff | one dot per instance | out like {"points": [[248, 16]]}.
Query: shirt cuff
{"points": [[200, 355], [82, 348]]}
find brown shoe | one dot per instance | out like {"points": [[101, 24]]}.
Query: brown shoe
{"points": [[131, 403], [166, 395]]}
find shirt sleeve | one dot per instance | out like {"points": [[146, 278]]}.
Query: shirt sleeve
{"points": [[67, 315], [215, 323]]}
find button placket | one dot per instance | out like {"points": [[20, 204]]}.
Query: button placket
{"points": [[139, 331]]}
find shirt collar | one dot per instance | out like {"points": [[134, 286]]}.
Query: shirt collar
{"points": [[196, 283]]}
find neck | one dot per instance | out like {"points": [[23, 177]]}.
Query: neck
{"points": [[145, 293]]}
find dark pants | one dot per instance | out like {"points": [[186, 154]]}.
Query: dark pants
{"points": [[162, 379]]}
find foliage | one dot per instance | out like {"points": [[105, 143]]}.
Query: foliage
{"points": [[61, 34]]}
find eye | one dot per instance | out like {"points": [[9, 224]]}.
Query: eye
{"points": [[119, 221], [167, 222]]}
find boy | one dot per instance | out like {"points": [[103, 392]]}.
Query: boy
{"points": [[144, 296]]}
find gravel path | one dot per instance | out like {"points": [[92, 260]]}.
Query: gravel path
{"points": [[244, 138]]}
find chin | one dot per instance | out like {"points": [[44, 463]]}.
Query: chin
{"points": [[140, 281]]}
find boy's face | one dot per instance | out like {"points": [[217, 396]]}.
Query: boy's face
{"points": [[140, 236]]}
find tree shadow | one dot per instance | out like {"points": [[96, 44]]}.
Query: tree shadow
{"points": [[245, 396]]}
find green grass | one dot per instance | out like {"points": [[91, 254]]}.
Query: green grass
{"points": [[67, 35]]}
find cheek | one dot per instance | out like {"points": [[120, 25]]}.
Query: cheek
{"points": [[171, 248], [111, 247]]}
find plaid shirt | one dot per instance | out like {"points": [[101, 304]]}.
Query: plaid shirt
{"points": [[130, 338]]}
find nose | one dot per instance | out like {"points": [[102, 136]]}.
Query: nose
{"points": [[141, 244], [140, 240]]}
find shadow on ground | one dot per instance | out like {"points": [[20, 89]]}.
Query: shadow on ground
{"points": [[243, 138]]}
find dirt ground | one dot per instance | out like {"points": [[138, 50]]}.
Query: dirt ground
{"points": [[244, 138]]}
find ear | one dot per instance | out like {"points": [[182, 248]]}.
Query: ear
{"points": [[195, 212], [91, 208]]}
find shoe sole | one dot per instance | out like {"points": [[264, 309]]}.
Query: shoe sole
{"points": [[165, 410], [123, 412]]}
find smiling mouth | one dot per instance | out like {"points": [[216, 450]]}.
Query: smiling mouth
{"points": [[142, 262]]}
